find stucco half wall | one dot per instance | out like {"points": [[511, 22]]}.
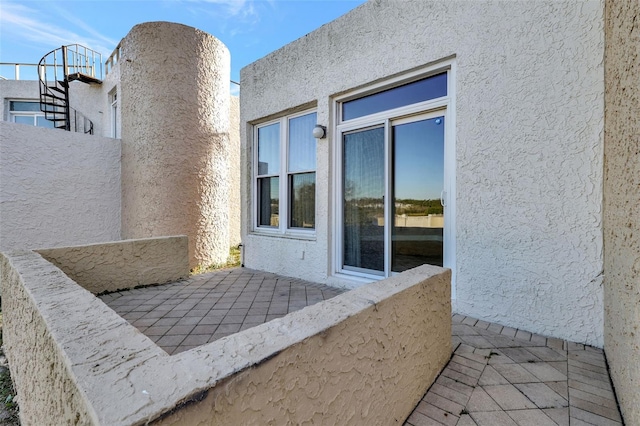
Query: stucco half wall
{"points": [[57, 188], [364, 357], [528, 111], [622, 203], [121, 265]]}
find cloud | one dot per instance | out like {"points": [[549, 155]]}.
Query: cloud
{"points": [[23, 23]]}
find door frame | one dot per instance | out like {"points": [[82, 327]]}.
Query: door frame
{"points": [[443, 106]]}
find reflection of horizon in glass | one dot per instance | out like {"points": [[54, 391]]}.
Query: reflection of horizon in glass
{"points": [[418, 151], [418, 169]]}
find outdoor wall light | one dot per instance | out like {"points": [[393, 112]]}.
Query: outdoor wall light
{"points": [[319, 132]]}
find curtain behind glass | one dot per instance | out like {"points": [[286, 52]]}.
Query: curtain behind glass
{"points": [[363, 192], [302, 144]]}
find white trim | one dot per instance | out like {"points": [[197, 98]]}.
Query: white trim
{"points": [[283, 229], [445, 106]]}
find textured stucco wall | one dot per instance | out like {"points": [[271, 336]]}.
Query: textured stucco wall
{"points": [[529, 134], [175, 137], [16, 90], [123, 264], [235, 210], [75, 360], [57, 188], [48, 392], [370, 369], [622, 203]]}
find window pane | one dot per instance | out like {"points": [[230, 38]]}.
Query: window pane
{"points": [[43, 122], [24, 106], [303, 200], [363, 191], [24, 119], [268, 201], [302, 144], [269, 149], [422, 90]]}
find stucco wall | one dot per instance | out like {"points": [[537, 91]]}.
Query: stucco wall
{"points": [[529, 131], [16, 89], [363, 357], [57, 188], [123, 264], [622, 203], [48, 391], [235, 202], [175, 137]]}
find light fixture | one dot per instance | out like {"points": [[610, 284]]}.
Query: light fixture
{"points": [[319, 132]]}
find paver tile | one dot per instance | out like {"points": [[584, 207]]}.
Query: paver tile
{"points": [[472, 372], [605, 393], [544, 372], [466, 420], [419, 419], [520, 355], [449, 393], [591, 418], [542, 395], [467, 362], [515, 373], [481, 401], [509, 397], [443, 403], [491, 377], [558, 415], [607, 412], [459, 377], [533, 417], [546, 354], [493, 418], [455, 385], [560, 388], [595, 399], [436, 413]]}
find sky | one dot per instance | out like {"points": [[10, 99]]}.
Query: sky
{"points": [[249, 28]]}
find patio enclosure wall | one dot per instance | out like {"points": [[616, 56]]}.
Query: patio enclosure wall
{"points": [[364, 357]]}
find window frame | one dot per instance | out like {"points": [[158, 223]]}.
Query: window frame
{"points": [[284, 228], [444, 104], [33, 114]]}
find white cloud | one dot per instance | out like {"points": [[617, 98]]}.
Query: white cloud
{"points": [[23, 23]]}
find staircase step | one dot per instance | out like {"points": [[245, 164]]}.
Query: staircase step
{"points": [[57, 89]]}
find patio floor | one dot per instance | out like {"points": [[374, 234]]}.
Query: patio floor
{"points": [[497, 375]]}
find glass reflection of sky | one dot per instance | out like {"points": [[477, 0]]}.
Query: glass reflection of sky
{"points": [[419, 159], [269, 149], [419, 91]]}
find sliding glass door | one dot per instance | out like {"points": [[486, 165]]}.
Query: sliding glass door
{"points": [[392, 184]]}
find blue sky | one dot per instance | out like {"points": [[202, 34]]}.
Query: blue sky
{"points": [[249, 28]]}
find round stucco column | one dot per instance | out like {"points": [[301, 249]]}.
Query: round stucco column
{"points": [[175, 137]]}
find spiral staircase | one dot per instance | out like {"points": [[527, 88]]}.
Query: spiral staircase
{"points": [[58, 69]]}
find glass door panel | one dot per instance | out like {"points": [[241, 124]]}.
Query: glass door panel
{"points": [[363, 200], [417, 182]]}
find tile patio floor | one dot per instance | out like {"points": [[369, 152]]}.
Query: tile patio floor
{"points": [[496, 376]]}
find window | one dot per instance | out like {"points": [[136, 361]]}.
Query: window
{"points": [[28, 112], [394, 151], [113, 99], [286, 170]]}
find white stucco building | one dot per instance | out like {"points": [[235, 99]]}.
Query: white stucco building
{"points": [[487, 116]]}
